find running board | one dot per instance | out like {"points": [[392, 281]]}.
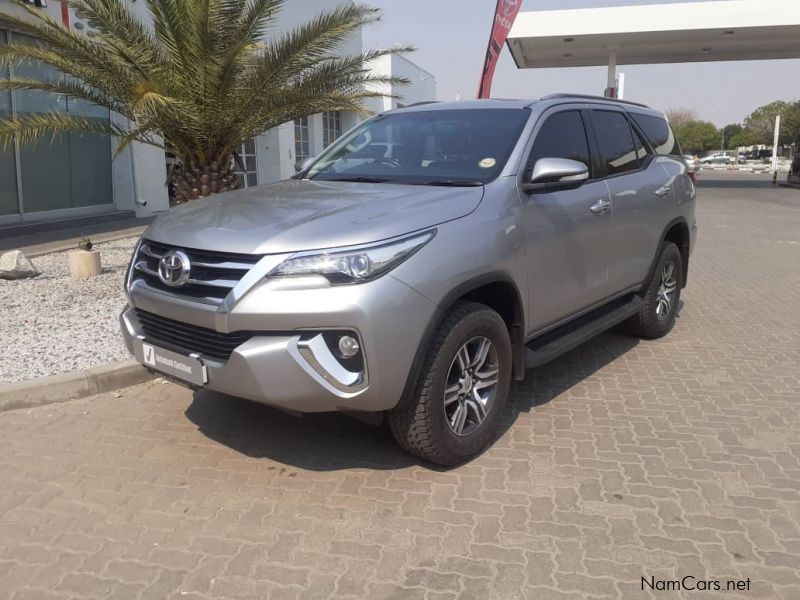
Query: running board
{"points": [[543, 349]]}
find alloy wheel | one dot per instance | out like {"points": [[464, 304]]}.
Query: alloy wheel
{"points": [[471, 385], [666, 291]]}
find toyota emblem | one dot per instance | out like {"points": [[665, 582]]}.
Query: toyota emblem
{"points": [[174, 268], [509, 6]]}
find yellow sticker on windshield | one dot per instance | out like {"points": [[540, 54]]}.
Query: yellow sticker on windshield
{"points": [[487, 163]]}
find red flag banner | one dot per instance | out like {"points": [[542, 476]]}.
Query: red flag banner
{"points": [[65, 13], [504, 15]]}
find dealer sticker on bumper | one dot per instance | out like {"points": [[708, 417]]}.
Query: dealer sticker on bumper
{"points": [[186, 368]]}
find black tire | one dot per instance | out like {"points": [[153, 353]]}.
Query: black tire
{"points": [[420, 424], [653, 321]]}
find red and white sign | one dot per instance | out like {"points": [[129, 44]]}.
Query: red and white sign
{"points": [[504, 16], [65, 13]]}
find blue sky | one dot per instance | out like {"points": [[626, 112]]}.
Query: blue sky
{"points": [[451, 36]]}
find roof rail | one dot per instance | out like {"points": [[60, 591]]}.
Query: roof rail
{"points": [[424, 102], [590, 97]]}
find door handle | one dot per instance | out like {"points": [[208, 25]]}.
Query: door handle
{"points": [[600, 207], [663, 190]]}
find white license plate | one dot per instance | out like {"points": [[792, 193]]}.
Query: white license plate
{"points": [[186, 368]]}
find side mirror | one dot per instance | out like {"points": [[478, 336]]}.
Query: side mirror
{"points": [[301, 165], [551, 174]]}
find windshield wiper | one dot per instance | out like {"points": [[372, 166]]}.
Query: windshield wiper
{"points": [[358, 179], [454, 182]]}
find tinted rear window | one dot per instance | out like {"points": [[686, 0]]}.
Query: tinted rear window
{"points": [[660, 134], [615, 141]]}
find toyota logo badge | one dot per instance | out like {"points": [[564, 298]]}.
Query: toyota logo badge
{"points": [[174, 268], [509, 6]]}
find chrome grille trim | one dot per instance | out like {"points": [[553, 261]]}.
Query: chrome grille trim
{"points": [[212, 277]]}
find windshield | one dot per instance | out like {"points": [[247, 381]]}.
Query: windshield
{"points": [[437, 147]]}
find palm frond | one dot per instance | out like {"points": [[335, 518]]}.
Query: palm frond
{"points": [[72, 53], [30, 128], [118, 28], [70, 88], [199, 79]]}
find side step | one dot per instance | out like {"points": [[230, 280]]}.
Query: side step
{"points": [[550, 345]]}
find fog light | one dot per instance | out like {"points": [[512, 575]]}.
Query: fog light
{"points": [[348, 346]]}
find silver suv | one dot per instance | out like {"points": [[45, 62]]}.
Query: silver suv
{"points": [[421, 263]]}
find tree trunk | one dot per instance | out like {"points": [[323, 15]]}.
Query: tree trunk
{"points": [[198, 181]]}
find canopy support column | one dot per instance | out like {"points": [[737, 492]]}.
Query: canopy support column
{"points": [[611, 86]]}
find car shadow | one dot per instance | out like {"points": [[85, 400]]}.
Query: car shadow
{"points": [[315, 442], [547, 382], [334, 441]]}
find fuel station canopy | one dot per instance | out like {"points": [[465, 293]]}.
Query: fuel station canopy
{"points": [[721, 30]]}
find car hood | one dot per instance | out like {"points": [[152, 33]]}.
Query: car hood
{"points": [[295, 215]]}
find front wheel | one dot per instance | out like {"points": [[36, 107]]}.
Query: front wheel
{"points": [[462, 389]]}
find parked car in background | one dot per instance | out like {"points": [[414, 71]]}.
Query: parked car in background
{"points": [[417, 278], [758, 154], [718, 158]]}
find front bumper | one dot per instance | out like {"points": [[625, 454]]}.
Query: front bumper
{"points": [[277, 367]]}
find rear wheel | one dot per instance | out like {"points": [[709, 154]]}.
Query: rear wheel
{"points": [[462, 388], [661, 296]]}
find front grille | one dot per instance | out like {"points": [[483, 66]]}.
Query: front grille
{"points": [[212, 275], [190, 339]]}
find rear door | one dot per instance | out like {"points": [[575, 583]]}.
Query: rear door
{"points": [[641, 195], [566, 240]]}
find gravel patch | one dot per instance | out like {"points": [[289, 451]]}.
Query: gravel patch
{"points": [[53, 324]]}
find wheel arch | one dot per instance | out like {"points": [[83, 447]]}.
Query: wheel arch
{"points": [[677, 232], [496, 290]]}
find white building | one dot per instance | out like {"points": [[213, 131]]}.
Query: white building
{"points": [[77, 177]]}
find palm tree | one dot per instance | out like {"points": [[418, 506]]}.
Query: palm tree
{"points": [[208, 75]]}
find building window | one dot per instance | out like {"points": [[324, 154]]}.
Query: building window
{"points": [[9, 203], [331, 127], [302, 145], [247, 173], [78, 166]]}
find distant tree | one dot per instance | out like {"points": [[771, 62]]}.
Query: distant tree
{"points": [[698, 137], [746, 137], [680, 116], [761, 122], [732, 129]]}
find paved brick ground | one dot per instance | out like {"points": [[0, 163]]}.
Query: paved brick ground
{"points": [[621, 460]]}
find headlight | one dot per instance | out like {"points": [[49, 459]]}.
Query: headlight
{"points": [[353, 265]]}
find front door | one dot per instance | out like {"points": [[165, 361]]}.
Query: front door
{"points": [[566, 231]]}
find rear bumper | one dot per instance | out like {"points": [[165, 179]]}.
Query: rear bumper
{"points": [[279, 367]]}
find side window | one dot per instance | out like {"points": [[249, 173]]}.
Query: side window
{"points": [[660, 134], [562, 136], [615, 141], [641, 148]]}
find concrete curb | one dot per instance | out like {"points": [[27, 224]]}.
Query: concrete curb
{"points": [[72, 386], [71, 244]]}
